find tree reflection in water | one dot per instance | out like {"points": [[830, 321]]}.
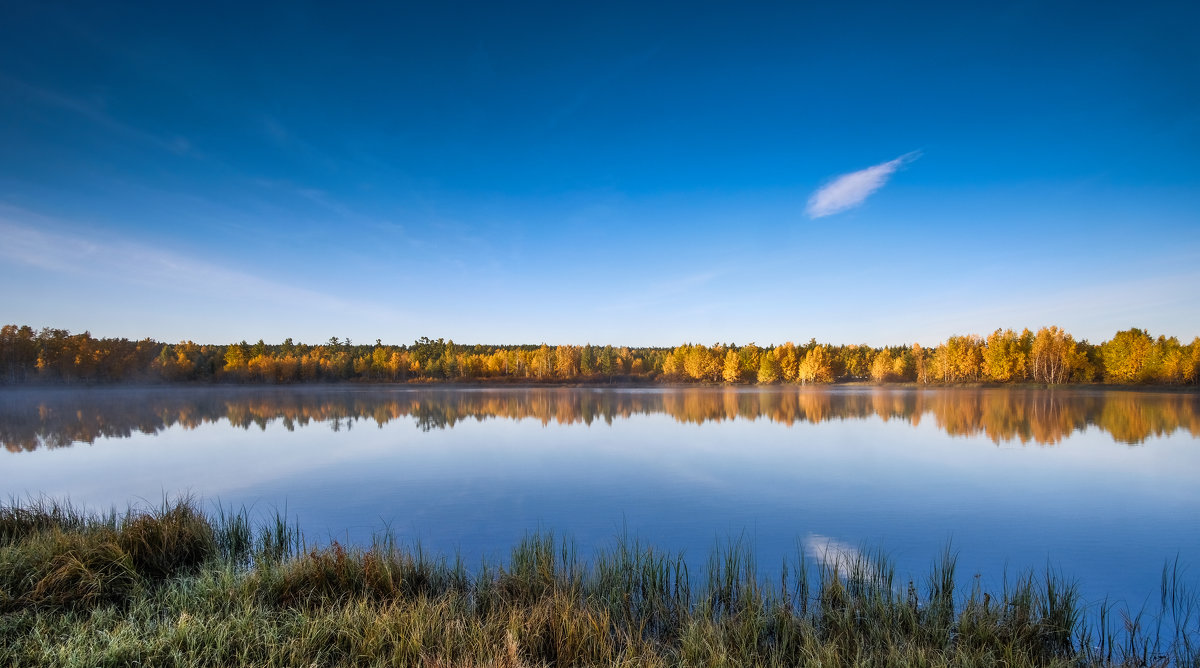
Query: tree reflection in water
{"points": [[57, 418]]}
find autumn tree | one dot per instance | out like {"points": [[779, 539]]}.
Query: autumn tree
{"points": [[856, 360], [1053, 356], [673, 362], [967, 354], [920, 368], [566, 361], [768, 368], [789, 362], [1126, 357], [541, 365], [731, 371], [817, 366], [882, 366], [1169, 360], [236, 357], [748, 357], [701, 363], [959, 359], [1005, 357], [1191, 370]]}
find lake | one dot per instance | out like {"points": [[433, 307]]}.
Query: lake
{"points": [[1101, 485]]}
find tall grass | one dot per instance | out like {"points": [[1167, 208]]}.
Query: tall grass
{"points": [[172, 586]]}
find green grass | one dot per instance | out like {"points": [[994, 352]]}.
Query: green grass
{"points": [[174, 587]]}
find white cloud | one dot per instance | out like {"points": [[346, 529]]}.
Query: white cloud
{"points": [[849, 190]]}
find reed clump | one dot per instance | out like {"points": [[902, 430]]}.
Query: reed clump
{"points": [[176, 539], [174, 587]]}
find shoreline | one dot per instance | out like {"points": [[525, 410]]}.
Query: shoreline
{"points": [[623, 384]]}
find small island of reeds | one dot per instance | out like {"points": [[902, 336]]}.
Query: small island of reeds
{"points": [[173, 586]]}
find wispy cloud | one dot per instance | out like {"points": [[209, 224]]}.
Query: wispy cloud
{"points": [[95, 111], [45, 243], [850, 190]]}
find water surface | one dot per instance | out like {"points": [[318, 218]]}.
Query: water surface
{"points": [[1099, 484]]}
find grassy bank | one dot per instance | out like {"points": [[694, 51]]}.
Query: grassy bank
{"points": [[174, 587]]}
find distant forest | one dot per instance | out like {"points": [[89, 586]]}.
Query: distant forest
{"points": [[1050, 356]]}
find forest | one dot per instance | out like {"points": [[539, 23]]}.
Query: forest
{"points": [[1048, 356]]}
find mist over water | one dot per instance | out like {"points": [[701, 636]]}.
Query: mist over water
{"points": [[1099, 484]]}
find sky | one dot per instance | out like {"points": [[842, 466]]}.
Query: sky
{"points": [[608, 173]]}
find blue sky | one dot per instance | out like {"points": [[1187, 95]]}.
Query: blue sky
{"points": [[876, 173]]}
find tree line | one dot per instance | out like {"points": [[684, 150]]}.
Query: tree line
{"points": [[1048, 356]]}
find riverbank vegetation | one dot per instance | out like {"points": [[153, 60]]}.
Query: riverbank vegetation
{"points": [[173, 587], [1048, 356]]}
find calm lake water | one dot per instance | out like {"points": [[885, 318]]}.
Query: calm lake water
{"points": [[1100, 485]]}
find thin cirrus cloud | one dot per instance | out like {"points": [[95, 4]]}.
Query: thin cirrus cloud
{"points": [[94, 112], [51, 245], [850, 190]]}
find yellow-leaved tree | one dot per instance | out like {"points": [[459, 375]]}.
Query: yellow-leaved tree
{"points": [[700, 363], [1005, 357], [1053, 356], [920, 368], [817, 366], [768, 368], [882, 366], [731, 372], [789, 362]]}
